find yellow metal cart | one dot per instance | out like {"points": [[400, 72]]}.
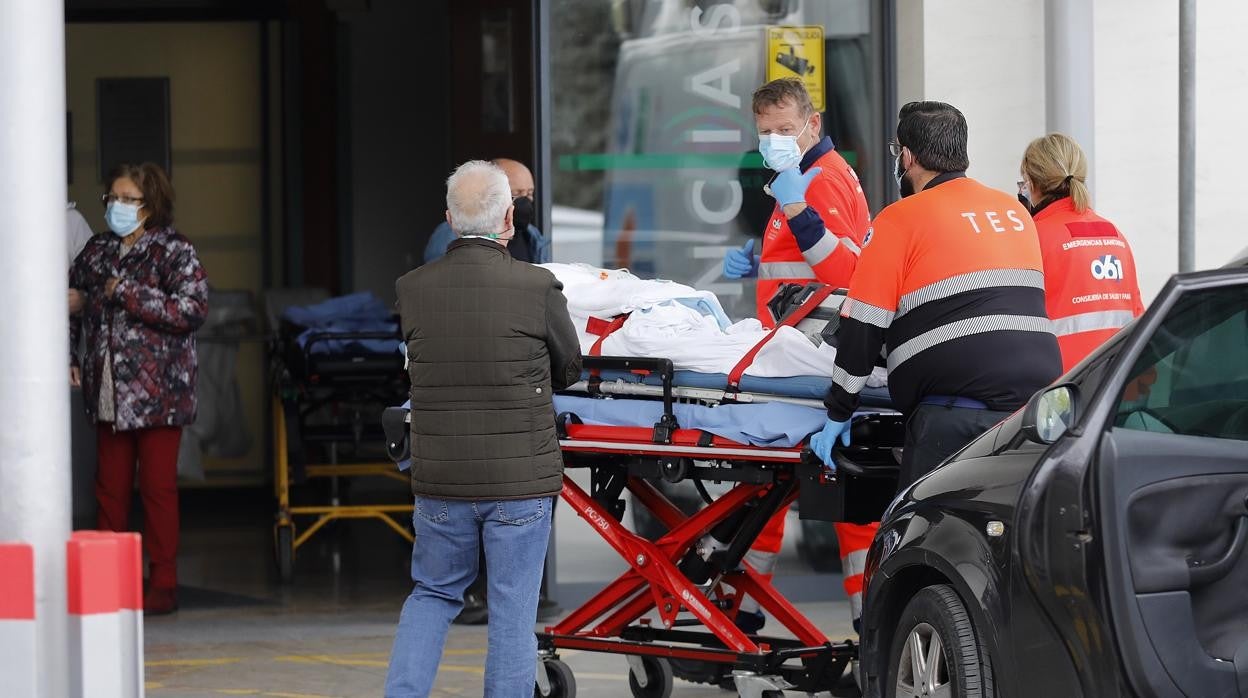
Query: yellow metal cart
{"points": [[287, 539], [328, 388]]}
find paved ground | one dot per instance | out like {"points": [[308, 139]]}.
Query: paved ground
{"points": [[329, 634], [275, 652]]}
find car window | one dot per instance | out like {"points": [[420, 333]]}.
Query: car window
{"points": [[1192, 377]]}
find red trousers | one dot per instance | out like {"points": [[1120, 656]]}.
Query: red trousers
{"points": [[156, 452]]}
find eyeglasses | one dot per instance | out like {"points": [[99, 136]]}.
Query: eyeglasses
{"points": [[894, 148], [110, 198], [1021, 185]]}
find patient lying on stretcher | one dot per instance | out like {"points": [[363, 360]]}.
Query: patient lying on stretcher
{"points": [[619, 314]]}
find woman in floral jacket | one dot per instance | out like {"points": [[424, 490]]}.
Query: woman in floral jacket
{"points": [[146, 294]]}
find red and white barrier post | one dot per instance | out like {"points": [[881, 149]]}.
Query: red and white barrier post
{"points": [[17, 619], [93, 563], [130, 576]]}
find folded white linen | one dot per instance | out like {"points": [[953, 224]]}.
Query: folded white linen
{"points": [[688, 326]]}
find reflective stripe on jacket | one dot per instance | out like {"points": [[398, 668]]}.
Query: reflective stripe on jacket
{"points": [[951, 284], [1091, 289]]}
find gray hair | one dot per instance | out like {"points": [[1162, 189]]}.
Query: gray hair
{"points": [[478, 196]]}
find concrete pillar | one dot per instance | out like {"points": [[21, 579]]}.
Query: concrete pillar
{"points": [[1068, 76], [34, 365]]}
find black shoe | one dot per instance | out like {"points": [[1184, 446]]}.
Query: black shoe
{"points": [[475, 612], [751, 623]]}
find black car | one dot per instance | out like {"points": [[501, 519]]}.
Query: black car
{"points": [[1093, 544]]}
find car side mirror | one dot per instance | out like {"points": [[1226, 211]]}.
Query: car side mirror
{"points": [[1050, 413]]}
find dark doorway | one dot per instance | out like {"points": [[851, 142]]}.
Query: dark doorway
{"points": [[492, 79]]}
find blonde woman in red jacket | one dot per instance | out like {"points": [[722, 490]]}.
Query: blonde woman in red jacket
{"points": [[1090, 284]]}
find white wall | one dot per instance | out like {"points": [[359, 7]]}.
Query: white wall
{"points": [[1136, 123], [985, 57], [1221, 108], [1137, 84]]}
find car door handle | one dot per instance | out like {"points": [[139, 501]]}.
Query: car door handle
{"points": [[1203, 573]]}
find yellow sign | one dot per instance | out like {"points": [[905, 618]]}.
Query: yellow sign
{"points": [[797, 52]]}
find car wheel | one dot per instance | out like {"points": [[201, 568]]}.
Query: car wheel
{"points": [[935, 652]]}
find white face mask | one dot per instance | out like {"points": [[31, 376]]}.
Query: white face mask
{"points": [[781, 152]]}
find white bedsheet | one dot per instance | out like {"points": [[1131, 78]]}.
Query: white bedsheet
{"points": [[683, 324]]}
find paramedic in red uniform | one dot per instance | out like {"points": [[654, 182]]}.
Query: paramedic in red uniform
{"points": [[814, 234], [1089, 272], [952, 285]]}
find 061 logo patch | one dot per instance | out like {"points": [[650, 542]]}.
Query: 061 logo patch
{"points": [[1108, 267]]}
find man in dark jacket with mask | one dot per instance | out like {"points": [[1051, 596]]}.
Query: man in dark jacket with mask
{"points": [[528, 244], [488, 340]]}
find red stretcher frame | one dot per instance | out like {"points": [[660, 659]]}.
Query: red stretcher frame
{"points": [[612, 620]]}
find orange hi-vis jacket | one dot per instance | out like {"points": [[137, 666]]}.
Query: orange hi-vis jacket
{"points": [[1090, 285], [951, 283], [821, 243]]}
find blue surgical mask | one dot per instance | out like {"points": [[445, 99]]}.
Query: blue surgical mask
{"points": [[781, 152], [122, 219]]}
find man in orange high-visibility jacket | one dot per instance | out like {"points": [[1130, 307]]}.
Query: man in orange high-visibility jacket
{"points": [[952, 285], [815, 233], [818, 234]]}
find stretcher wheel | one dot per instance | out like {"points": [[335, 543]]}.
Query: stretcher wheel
{"points": [[658, 678], [284, 551], [562, 682]]}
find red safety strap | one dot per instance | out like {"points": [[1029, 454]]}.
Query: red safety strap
{"points": [[603, 328], [819, 296], [623, 437]]}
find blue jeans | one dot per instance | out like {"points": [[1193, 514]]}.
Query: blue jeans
{"points": [[444, 562]]}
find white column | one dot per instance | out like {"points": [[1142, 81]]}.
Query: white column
{"points": [[1068, 76], [34, 404]]}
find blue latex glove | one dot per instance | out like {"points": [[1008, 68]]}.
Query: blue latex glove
{"points": [[789, 187], [742, 262], [823, 442]]}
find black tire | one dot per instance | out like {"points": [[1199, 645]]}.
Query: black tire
{"points": [[562, 682], [284, 552], [658, 679], [936, 614]]}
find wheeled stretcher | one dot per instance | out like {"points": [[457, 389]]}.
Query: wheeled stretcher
{"points": [[324, 382], [672, 613], [677, 602]]}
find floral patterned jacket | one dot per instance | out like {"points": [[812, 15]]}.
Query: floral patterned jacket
{"points": [[147, 326]]}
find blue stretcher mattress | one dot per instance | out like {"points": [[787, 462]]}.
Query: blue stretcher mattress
{"points": [[809, 387], [357, 312], [775, 424]]}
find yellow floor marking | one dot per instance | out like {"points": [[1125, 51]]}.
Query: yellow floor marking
{"points": [[601, 677], [479, 670], [331, 659], [256, 692], [464, 669], [149, 685], [219, 661]]}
